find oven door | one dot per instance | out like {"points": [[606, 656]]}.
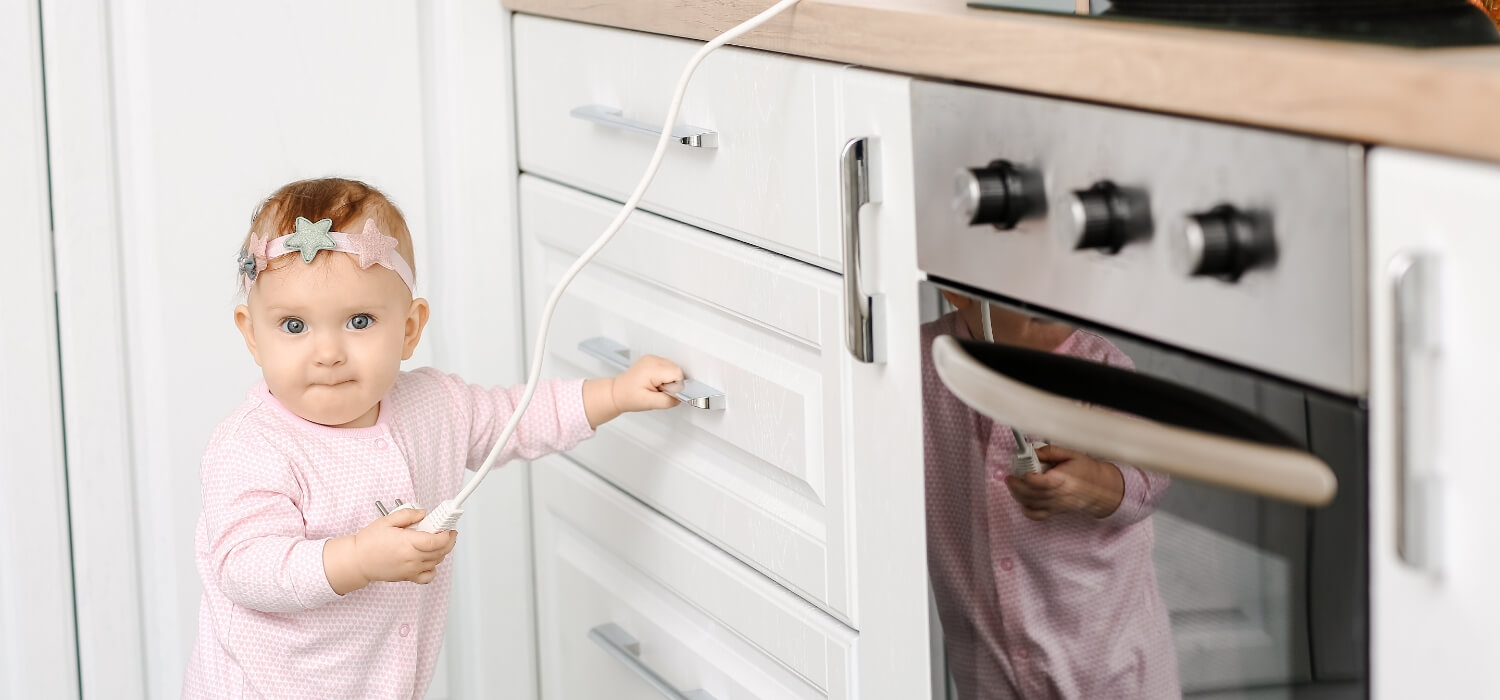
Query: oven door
{"points": [[1233, 565]]}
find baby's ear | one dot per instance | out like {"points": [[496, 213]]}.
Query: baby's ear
{"points": [[247, 329], [416, 320]]}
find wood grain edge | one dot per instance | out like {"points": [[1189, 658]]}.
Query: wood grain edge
{"points": [[1425, 100]]}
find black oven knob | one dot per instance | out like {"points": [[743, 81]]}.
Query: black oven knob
{"points": [[1225, 242], [1106, 217], [999, 194]]}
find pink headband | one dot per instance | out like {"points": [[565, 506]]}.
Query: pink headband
{"points": [[369, 247]]}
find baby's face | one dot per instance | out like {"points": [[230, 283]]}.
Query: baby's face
{"points": [[330, 337]]}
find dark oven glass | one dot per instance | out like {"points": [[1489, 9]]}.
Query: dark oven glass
{"points": [[1105, 579]]}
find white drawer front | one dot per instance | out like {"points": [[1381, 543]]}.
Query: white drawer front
{"points": [[701, 620], [773, 178], [765, 478]]}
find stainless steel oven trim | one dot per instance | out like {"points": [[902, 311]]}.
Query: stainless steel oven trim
{"points": [[1302, 318]]}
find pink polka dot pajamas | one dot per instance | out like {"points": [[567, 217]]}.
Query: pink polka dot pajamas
{"points": [[1062, 608], [276, 488]]}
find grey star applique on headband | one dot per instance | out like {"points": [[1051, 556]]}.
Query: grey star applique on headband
{"points": [[310, 238]]}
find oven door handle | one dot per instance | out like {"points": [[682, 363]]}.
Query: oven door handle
{"points": [[1225, 446]]}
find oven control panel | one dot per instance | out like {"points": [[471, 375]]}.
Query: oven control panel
{"points": [[1241, 244]]}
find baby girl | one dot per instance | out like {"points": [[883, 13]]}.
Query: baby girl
{"points": [[1044, 581], [308, 589]]}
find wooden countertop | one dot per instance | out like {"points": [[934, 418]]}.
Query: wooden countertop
{"points": [[1441, 100]]}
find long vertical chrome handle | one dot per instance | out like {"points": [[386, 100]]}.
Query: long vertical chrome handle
{"points": [[696, 137], [1415, 341], [861, 310], [615, 640]]}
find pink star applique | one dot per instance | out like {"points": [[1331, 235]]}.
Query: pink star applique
{"points": [[372, 247], [255, 259], [257, 248]]}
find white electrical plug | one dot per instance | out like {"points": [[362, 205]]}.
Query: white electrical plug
{"points": [[1025, 460], [440, 519], [404, 506]]}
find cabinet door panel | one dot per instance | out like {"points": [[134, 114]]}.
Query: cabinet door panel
{"points": [[766, 477], [771, 178], [1436, 619], [701, 620], [37, 646]]}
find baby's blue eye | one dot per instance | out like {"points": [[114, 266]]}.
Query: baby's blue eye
{"points": [[293, 325], [359, 322]]}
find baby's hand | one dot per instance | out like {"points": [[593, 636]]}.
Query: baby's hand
{"points": [[1075, 483], [643, 387], [386, 551]]}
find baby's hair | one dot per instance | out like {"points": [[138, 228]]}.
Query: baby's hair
{"points": [[347, 202]]}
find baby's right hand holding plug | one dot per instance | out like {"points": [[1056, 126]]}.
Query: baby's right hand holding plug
{"points": [[386, 550]]}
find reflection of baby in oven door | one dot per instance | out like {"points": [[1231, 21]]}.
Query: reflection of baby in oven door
{"points": [[1044, 584]]}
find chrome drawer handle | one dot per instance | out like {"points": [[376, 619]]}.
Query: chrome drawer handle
{"points": [[627, 651], [693, 136], [693, 393], [861, 311], [1413, 285]]}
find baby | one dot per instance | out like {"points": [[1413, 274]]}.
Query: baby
{"points": [[1044, 582], [307, 590]]}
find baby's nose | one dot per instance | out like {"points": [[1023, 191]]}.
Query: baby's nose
{"points": [[329, 351]]}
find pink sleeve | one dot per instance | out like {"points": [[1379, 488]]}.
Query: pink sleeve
{"points": [[255, 532], [1143, 489], [554, 422]]}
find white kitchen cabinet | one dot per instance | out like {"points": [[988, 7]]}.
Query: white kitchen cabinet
{"points": [[38, 657], [609, 567], [167, 122], [1435, 237], [766, 476], [837, 502], [770, 175], [883, 411]]}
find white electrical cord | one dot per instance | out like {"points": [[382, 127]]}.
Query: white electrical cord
{"points": [[446, 514]]}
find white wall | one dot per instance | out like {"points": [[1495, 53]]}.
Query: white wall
{"points": [[170, 120], [37, 654]]}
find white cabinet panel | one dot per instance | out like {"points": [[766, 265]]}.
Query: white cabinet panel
{"points": [[767, 478], [883, 404], [772, 179], [1436, 628], [37, 652], [701, 619], [846, 532]]}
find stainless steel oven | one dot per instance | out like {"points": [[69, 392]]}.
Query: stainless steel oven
{"points": [[1179, 306]]}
